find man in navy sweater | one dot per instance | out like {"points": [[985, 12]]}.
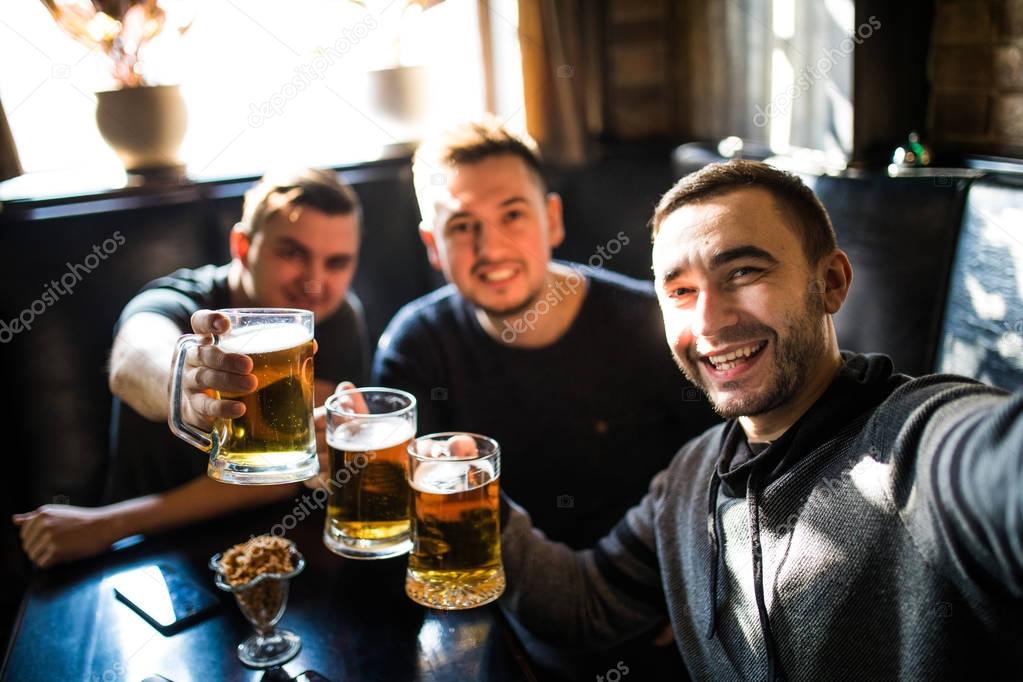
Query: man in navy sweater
{"points": [[845, 522]]}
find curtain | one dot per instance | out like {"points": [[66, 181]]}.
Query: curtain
{"points": [[724, 69], [10, 166], [562, 87]]}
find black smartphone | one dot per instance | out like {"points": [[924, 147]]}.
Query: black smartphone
{"points": [[167, 599]]}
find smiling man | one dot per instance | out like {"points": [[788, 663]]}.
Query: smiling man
{"points": [[296, 246], [557, 361], [562, 364], [846, 521]]}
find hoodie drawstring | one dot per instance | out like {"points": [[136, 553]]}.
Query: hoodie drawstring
{"points": [[712, 535], [774, 669]]}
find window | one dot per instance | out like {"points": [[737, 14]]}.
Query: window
{"points": [[265, 82]]}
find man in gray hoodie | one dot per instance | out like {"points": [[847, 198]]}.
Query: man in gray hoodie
{"points": [[845, 522]]}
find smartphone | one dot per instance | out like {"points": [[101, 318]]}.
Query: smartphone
{"points": [[167, 599]]}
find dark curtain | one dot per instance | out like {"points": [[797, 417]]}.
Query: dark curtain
{"points": [[560, 73]]}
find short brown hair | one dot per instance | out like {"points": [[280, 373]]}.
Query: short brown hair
{"points": [[810, 219], [472, 142], [319, 189]]}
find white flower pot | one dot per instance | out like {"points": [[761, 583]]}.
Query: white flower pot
{"points": [[144, 125]]}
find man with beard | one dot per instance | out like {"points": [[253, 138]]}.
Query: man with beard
{"points": [[846, 521]]}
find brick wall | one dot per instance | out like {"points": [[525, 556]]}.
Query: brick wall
{"points": [[976, 72]]}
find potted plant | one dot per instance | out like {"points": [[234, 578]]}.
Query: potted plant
{"points": [[142, 120]]}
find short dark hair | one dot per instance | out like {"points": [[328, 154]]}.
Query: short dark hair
{"points": [[810, 219], [311, 187], [472, 142]]}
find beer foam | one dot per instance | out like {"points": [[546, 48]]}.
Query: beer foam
{"points": [[378, 434], [452, 476], [272, 337]]}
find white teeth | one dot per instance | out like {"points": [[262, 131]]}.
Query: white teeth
{"points": [[725, 362], [498, 275]]}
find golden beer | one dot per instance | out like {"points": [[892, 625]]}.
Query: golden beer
{"points": [[277, 427], [372, 501], [455, 562], [275, 440], [369, 499]]}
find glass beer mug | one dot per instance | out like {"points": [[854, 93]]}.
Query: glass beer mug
{"points": [[275, 440], [368, 434], [455, 561]]}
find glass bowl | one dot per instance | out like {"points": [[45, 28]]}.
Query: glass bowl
{"points": [[262, 601]]}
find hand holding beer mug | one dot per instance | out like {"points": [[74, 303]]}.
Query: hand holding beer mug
{"points": [[455, 562], [270, 437], [368, 434]]}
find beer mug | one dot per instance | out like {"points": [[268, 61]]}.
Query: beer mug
{"points": [[275, 440], [368, 434], [455, 562]]}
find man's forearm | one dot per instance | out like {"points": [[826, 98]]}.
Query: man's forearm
{"points": [[140, 364], [199, 499], [561, 596]]}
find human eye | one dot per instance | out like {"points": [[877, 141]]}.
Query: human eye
{"points": [[744, 272], [339, 264], [678, 292], [458, 228], [289, 252]]}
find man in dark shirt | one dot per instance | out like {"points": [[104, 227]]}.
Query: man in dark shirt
{"points": [[295, 247], [561, 363]]}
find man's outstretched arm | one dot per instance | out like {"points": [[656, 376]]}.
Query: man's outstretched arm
{"points": [[591, 599], [970, 480]]}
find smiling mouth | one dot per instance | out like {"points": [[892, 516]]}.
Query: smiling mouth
{"points": [[723, 362], [497, 275]]}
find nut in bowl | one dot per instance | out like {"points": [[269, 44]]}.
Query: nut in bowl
{"points": [[258, 572]]}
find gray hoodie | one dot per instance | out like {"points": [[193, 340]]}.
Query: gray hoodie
{"points": [[880, 538]]}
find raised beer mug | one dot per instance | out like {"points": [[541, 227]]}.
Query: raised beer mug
{"points": [[455, 562], [368, 435], [275, 440]]}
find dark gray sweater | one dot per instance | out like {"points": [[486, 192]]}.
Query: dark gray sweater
{"points": [[880, 538]]}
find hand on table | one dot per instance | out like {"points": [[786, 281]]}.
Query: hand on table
{"points": [[55, 533]]}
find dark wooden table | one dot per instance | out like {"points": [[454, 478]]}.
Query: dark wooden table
{"points": [[353, 617]]}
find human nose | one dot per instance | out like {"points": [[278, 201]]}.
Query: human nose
{"points": [[713, 312], [488, 239], [315, 274]]}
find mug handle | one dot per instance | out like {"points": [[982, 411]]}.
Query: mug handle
{"points": [[208, 442]]}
